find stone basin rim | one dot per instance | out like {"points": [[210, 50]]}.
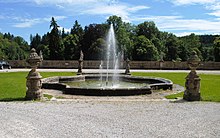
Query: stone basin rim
{"points": [[57, 82]]}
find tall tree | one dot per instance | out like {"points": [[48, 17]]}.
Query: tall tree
{"points": [[35, 41], [55, 44], [79, 32]]}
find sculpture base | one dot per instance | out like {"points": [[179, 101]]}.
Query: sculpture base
{"points": [[79, 73], [34, 86], [192, 92], [34, 95], [191, 97]]}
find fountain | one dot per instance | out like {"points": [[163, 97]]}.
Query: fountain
{"points": [[107, 83]]}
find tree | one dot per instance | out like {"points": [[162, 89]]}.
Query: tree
{"points": [[71, 47], [183, 52], [55, 44], [145, 50], [189, 43], [77, 30], [35, 41], [92, 33], [148, 29], [123, 34], [172, 48], [217, 49], [116, 21], [98, 49]]}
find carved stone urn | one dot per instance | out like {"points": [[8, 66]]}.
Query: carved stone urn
{"points": [[33, 82], [192, 84]]}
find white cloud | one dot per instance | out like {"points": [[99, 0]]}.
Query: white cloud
{"points": [[191, 2], [95, 7], [89, 7], [26, 23], [212, 5], [137, 8], [122, 10], [72, 2], [178, 24], [215, 9]]}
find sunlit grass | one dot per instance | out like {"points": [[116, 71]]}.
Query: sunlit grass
{"points": [[210, 84], [13, 84]]}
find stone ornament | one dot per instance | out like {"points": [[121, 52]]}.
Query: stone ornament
{"points": [[80, 65], [192, 84], [33, 82], [127, 67]]}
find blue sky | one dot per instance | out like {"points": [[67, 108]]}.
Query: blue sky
{"points": [[181, 17]]}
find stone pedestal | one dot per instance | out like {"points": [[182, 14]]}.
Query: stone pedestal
{"points": [[33, 82], [192, 84], [33, 86]]}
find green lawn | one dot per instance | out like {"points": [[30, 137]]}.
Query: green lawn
{"points": [[12, 85], [210, 84]]}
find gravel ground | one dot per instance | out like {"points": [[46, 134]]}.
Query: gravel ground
{"points": [[80, 119]]}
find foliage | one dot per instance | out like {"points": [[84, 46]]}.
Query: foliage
{"points": [[13, 47], [148, 29], [71, 50], [145, 49], [92, 33], [217, 49]]}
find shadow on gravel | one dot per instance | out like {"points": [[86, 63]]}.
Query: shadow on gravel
{"points": [[179, 101], [12, 99]]}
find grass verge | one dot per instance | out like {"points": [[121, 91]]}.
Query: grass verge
{"points": [[210, 90], [13, 84]]}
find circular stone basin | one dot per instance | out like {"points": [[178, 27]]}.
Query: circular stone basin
{"points": [[92, 85], [101, 84]]}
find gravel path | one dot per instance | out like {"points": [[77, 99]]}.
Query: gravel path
{"points": [[78, 119]]}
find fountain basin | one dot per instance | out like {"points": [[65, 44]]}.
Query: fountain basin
{"points": [[127, 85]]}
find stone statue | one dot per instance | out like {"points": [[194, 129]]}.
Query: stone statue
{"points": [[192, 84], [80, 66], [33, 82], [127, 67]]}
